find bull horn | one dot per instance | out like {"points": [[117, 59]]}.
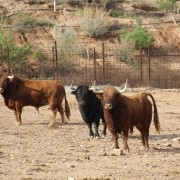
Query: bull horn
{"points": [[125, 87], [11, 77], [93, 86], [72, 86]]}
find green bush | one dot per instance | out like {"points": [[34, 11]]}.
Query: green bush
{"points": [[38, 55], [140, 35], [167, 5], [94, 22]]}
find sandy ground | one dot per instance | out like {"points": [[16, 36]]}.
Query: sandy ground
{"points": [[34, 151]]}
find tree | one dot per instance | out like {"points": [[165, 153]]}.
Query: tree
{"points": [[17, 54]]}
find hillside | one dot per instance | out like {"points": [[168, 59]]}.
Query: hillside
{"points": [[166, 33]]}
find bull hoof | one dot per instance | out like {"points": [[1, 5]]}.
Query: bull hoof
{"points": [[65, 122], [91, 137], [51, 125], [146, 149], [103, 135], [97, 137], [18, 123]]}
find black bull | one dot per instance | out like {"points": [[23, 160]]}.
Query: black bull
{"points": [[90, 108]]}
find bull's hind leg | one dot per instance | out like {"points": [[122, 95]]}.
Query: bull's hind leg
{"points": [[141, 129], [146, 139], [51, 124], [61, 112], [54, 112]]}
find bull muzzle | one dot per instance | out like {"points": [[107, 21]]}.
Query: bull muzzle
{"points": [[108, 106]]}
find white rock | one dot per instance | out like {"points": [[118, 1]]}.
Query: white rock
{"points": [[168, 145], [71, 178]]}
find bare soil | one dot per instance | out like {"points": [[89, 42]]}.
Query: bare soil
{"points": [[34, 151]]}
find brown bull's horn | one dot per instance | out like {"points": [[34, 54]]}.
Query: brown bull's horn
{"points": [[11, 77], [125, 87], [72, 86], [94, 89]]}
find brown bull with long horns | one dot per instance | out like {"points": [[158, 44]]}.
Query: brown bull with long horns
{"points": [[122, 113]]}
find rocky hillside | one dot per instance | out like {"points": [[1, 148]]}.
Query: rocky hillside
{"points": [[165, 31]]}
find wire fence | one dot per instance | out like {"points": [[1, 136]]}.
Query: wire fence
{"points": [[156, 68]]}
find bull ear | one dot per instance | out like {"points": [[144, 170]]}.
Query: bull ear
{"points": [[73, 92], [99, 96]]}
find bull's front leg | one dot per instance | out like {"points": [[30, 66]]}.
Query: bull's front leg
{"points": [[91, 134], [114, 135], [18, 112], [96, 126], [104, 127], [125, 138]]}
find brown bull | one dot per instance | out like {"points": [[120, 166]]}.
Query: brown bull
{"points": [[18, 92], [122, 113]]}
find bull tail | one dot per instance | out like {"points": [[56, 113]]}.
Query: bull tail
{"points": [[67, 109], [156, 117]]}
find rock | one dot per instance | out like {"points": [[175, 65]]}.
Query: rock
{"points": [[72, 166], [168, 145], [118, 152], [25, 160], [176, 139], [71, 178], [34, 161]]}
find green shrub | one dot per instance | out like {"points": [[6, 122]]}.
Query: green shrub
{"points": [[38, 55], [166, 4], [94, 22], [17, 54], [140, 35]]}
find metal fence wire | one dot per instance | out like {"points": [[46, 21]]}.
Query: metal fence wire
{"points": [[155, 68]]}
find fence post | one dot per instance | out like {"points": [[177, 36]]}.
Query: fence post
{"points": [[54, 5], [149, 60], [56, 59], [53, 62], [141, 68], [103, 63], [94, 64]]}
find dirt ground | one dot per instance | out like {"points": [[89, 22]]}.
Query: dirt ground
{"points": [[34, 151]]}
